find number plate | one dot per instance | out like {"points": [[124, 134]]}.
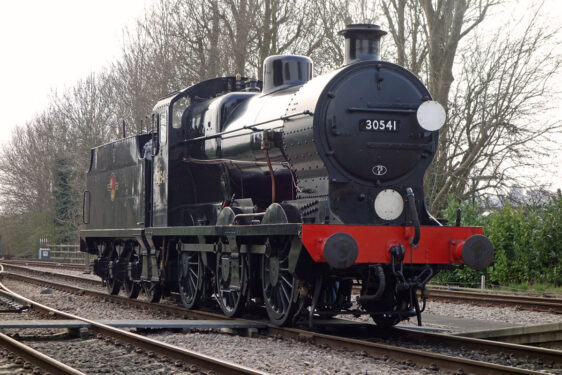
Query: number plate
{"points": [[366, 125]]}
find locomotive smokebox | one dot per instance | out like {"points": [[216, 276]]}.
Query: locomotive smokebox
{"points": [[362, 42], [282, 71]]}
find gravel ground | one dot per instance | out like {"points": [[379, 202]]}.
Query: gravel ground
{"points": [[92, 356], [88, 307], [505, 359], [281, 356], [288, 357], [89, 356], [8, 365], [498, 314]]}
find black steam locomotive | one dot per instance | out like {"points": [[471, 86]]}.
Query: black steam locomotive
{"points": [[284, 193]]}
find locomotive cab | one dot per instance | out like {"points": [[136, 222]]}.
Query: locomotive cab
{"points": [[186, 144]]}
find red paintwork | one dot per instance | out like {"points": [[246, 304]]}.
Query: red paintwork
{"points": [[438, 245]]}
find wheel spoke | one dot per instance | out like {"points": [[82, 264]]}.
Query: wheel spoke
{"points": [[282, 303], [275, 296], [192, 285], [285, 280], [267, 289], [285, 293], [193, 273], [231, 300]]}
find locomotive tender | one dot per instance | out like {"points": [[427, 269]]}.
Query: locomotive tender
{"points": [[283, 193]]}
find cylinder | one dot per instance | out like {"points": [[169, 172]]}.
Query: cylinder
{"points": [[362, 42]]}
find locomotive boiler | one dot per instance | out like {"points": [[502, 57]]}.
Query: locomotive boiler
{"points": [[282, 194]]}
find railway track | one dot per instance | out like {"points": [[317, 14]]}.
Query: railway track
{"points": [[37, 358], [80, 280], [152, 346], [398, 353], [545, 335], [553, 305], [45, 264]]}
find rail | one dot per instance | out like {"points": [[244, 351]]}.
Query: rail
{"points": [[443, 362], [201, 360], [553, 305]]}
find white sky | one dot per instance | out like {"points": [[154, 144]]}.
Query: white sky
{"points": [[48, 45]]}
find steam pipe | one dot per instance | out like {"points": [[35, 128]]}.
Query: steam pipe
{"points": [[414, 214], [380, 290]]}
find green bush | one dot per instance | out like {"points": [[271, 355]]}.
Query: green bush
{"points": [[548, 242], [527, 243], [470, 216]]}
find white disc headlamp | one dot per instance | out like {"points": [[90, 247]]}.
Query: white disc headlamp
{"points": [[389, 204], [431, 115]]}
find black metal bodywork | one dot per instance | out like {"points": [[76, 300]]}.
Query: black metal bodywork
{"points": [[235, 172], [115, 193], [334, 171]]}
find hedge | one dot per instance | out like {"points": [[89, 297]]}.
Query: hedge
{"points": [[527, 242]]}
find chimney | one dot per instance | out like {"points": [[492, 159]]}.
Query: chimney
{"points": [[362, 42]]}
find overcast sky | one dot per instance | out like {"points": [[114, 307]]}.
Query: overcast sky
{"points": [[48, 45]]}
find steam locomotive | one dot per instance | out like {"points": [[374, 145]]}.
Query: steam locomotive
{"points": [[282, 194]]}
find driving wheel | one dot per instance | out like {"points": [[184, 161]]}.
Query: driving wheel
{"points": [[190, 278], [232, 282], [279, 285], [131, 287], [113, 285]]}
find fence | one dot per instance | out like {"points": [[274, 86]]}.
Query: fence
{"points": [[67, 254]]}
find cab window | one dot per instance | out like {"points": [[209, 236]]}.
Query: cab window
{"points": [[196, 123], [177, 112], [194, 120]]}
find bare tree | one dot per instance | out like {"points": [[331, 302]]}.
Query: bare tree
{"points": [[407, 28], [446, 24], [494, 90], [128, 87], [502, 90], [26, 167], [198, 34], [239, 21]]}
